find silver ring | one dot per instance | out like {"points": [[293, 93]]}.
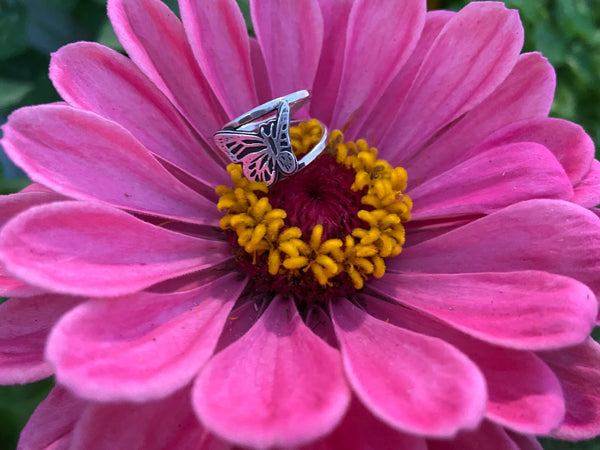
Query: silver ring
{"points": [[263, 147]]}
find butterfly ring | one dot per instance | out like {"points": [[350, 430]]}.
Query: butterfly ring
{"points": [[263, 147]]}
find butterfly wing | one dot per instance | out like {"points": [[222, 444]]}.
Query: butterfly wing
{"points": [[277, 134], [251, 151]]}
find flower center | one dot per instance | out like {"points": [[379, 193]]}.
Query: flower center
{"points": [[323, 232]]}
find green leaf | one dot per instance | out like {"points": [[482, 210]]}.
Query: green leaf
{"points": [[13, 30], [13, 91]]}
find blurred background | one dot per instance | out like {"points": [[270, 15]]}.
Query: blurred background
{"points": [[567, 32]]}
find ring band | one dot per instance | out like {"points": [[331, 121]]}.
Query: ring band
{"points": [[263, 147]]}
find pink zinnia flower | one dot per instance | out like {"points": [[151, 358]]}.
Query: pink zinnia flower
{"points": [[168, 327]]}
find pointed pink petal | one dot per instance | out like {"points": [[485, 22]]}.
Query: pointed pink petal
{"points": [[329, 72], [523, 393], [155, 40], [388, 106], [278, 385], [24, 327], [413, 382], [553, 311], [261, 75], [569, 142], [361, 430], [82, 155], [290, 34], [219, 39], [93, 77], [169, 423], [88, 249], [488, 436], [526, 93], [473, 54], [526, 236], [578, 369], [587, 191], [381, 35], [140, 347], [51, 425], [504, 175]]}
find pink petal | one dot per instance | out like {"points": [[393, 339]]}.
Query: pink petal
{"points": [[452, 82], [361, 430], [11, 287], [571, 145], [93, 77], [488, 436], [526, 93], [329, 72], [529, 235], [261, 75], [140, 347], [290, 34], [524, 442], [24, 327], [578, 369], [388, 106], [523, 393], [82, 155], [219, 39], [155, 40], [380, 37], [553, 311], [505, 175], [413, 382], [13, 204], [51, 425], [587, 191], [169, 423], [278, 385], [88, 249]]}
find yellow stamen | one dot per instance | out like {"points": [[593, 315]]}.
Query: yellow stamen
{"points": [[260, 228]]}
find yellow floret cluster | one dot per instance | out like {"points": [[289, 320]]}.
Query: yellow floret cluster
{"points": [[261, 229]]}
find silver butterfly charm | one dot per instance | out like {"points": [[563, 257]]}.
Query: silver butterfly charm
{"points": [[265, 154]]}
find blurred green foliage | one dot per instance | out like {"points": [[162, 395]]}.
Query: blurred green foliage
{"points": [[567, 32]]}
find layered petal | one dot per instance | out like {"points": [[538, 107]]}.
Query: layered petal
{"points": [[569, 142], [449, 83], [140, 347], [523, 392], [329, 72], [548, 235], [488, 436], [388, 106], [587, 191], [526, 93], [578, 369], [278, 385], [164, 424], [380, 36], [51, 425], [83, 248], [217, 34], [96, 78], [82, 155], [155, 40], [290, 34], [505, 175], [360, 430], [412, 382], [24, 328], [526, 310]]}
